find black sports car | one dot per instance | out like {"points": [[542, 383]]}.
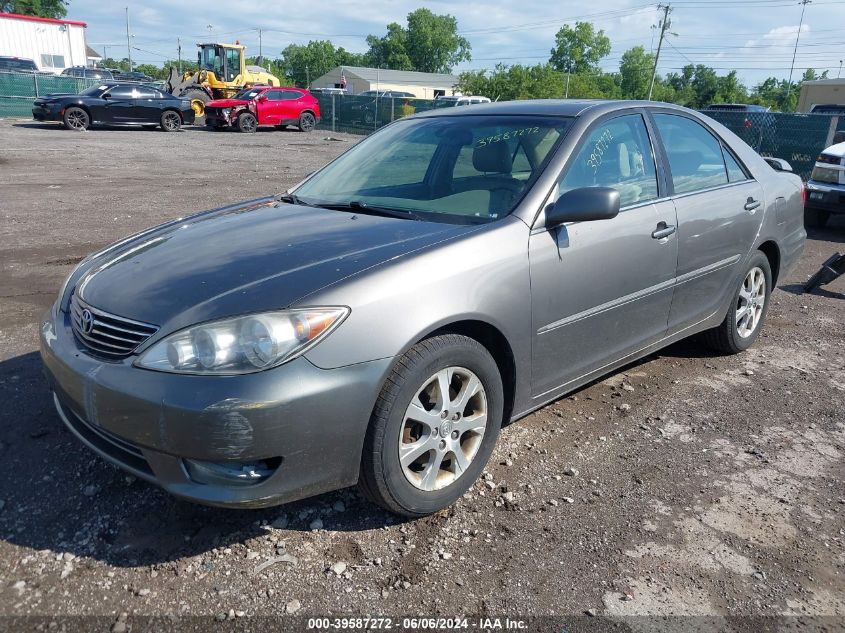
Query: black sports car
{"points": [[115, 104]]}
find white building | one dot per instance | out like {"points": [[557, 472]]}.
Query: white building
{"points": [[356, 80], [52, 44]]}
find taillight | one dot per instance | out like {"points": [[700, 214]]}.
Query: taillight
{"points": [[803, 194]]}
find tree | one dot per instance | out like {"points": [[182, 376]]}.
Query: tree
{"points": [[635, 73], [389, 51], [300, 63], [579, 50], [430, 43], [40, 8]]}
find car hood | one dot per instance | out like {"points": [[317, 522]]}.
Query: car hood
{"points": [[226, 103], [255, 256]]}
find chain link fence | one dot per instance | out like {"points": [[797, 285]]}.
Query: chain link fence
{"points": [[363, 115], [19, 90], [797, 138]]}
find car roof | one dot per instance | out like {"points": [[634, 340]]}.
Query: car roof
{"points": [[548, 107]]}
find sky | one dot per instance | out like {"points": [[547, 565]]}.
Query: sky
{"points": [[754, 37]]}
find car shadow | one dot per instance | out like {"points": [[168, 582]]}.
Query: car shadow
{"points": [[58, 495], [798, 289], [56, 125]]}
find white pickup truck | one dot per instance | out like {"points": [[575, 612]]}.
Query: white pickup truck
{"points": [[826, 187]]}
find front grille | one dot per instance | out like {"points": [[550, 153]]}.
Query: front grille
{"points": [[108, 334]]}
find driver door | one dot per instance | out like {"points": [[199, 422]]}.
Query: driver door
{"points": [[602, 290], [119, 105]]}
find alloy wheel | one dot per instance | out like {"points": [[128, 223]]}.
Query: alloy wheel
{"points": [[247, 123], [751, 301], [77, 119], [171, 121], [443, 428], [307, 122]]}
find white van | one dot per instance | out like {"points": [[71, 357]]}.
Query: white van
{"points": [[446, 102]]}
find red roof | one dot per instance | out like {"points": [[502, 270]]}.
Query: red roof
{"points": [[32, 18]]}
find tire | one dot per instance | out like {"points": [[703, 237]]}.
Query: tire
{"points": [[369, 117], [746, 314], [432, 476], [247, 123], [171, 121], [198, 99], [307, 122], [816, 218], [76, 119]]}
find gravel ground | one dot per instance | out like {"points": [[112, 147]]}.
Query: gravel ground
{"points": [[686, 484]]}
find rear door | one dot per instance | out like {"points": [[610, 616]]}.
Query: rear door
{"points": [[720, 210], [290, 105], [602, 290], [148, 105]]}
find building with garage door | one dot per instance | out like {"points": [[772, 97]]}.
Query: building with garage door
{"points": [[357, 79], [52, 44]]}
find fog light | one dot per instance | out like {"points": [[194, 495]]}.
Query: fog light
{"points": [[231, 473]]}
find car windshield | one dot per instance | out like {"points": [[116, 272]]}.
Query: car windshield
{"points": [[247, 95], [458, 169]]}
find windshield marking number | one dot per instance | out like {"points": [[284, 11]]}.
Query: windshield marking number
{"points": [[506, 136], [596, 158]]}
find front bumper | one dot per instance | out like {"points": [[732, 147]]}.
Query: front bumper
{"points": [[149, 423], [46, 112], [826, 196]]}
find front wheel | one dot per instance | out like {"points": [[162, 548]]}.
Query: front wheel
{"points": [[307, 122], [247, 123], [747, 312], [171, 121], [434, 426], [76, 119]]}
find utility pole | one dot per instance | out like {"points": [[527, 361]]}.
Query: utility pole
{"points": [[179, 48], [568, 73], [260, 53], [128, 45], [804, 4], [839, 72], [667, 8]]}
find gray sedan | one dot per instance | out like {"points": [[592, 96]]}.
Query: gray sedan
{"points": [[379, 322]]}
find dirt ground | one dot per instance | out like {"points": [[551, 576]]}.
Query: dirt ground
{"points": [[686, 484]]}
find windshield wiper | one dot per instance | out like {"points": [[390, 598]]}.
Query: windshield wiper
{"points": [[291, 198], [363, 207]]}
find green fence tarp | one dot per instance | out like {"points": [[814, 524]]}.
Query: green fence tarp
{"points": [[19, 90]]}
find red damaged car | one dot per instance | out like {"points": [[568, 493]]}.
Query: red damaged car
{"points": [[264, 105]]}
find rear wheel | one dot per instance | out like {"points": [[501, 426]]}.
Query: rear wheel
{"points": [[171, 121], [434, 426], [198, 99], [307, 122], [247, 123], [816, 218], [747, 312], [76, 119]]}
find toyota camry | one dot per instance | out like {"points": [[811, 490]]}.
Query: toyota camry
{"points": [[379, 322]]}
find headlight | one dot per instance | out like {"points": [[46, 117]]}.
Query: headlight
{"points": [[244, 344]]}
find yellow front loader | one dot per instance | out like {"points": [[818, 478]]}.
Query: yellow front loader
{"points": [[222, 73]]}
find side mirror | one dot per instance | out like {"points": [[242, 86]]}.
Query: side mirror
{"points": [[107, 95], [778, 164], [583, 205], [262, 98]]}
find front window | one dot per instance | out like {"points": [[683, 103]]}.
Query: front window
{"points": [[211, 59], [94, 91], [617, 154], [461, 169]]}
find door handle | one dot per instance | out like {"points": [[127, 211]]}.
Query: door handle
{"points": [[663, 230], [752, 204]]}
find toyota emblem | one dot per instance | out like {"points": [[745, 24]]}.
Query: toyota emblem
{"points": [[87, 322]]}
